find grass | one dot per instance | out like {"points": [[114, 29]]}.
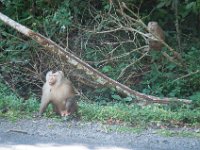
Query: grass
{"points": [[171, 133], [112, 113], [138, 116], [123, 129]]}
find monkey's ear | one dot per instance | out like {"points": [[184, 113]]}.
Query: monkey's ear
{"points": [[48, 74]]}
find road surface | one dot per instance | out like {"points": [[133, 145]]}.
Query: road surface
{"points": [[49, 134]]}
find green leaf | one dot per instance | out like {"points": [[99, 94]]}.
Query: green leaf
{"points": [[190, 5], [161, 4], [128, 99], [116, 97], [107, 69]]}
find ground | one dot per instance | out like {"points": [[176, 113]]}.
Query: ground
{"points": [[50, 134]]}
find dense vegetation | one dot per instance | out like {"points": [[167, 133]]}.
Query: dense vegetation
{"points": [[89, 29]]}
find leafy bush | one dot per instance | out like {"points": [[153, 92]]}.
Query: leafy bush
{"points": [[11, 104], [116, 54]]}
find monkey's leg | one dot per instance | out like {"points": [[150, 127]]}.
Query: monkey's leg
{"points": [[43, 106], [55, 109]]}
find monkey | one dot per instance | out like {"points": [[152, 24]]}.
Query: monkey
{"points": [[154, 43], [154, 28], [59, 91]]}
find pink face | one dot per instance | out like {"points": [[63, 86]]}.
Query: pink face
{"points": [[52, 78], [152, 25]]}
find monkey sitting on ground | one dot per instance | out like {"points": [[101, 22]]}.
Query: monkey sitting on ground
{"points": [[155, 29], [59, 91]]}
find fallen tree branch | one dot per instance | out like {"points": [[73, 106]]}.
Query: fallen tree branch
{"points": [[78, 63]]}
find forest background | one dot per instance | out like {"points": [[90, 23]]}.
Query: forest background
{"points": [[110, 41]]}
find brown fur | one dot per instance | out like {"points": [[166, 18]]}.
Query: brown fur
{"points": [[59, 91], [155, 29]]}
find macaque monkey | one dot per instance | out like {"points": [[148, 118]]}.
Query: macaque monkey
{"points": [[58, 90], [156, 30]]}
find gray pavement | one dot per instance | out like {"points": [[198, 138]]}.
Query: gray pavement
{"points": [[49, 134]]}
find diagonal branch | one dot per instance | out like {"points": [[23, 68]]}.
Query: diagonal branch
{"points": [[78, 63]]}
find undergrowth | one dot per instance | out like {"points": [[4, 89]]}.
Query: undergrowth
{"points": [[13, 106], [113, 113], [98, 34]]}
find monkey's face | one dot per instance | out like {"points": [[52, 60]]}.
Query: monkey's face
{"points": [[53, 78], [152, 25]]}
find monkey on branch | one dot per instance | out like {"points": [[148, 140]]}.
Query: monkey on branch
{"points": [[154, 42]]}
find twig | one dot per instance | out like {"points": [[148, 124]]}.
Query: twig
{"points": [[187, 75], [123, 55], [108, 31], [123, 71], [18, 131]]}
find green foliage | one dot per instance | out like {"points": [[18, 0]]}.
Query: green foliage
{"points": [[169, 80], [63, 16], [107, 69], [110, 113], [125, 129], [109, 53], [195, 99], [137, 115], [118, 98], [93, 55], [171, 133], [15, 106], [103, 96], [186, 10]]}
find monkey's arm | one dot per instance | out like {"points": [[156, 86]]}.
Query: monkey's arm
{"points": [[43, 105]]}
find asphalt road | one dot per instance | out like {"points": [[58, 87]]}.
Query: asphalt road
{"points": [[48, 134]]}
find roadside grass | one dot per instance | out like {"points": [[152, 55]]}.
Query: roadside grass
{"points": [[133, 115], [140, 116], [123, 129], [182, 133]]}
